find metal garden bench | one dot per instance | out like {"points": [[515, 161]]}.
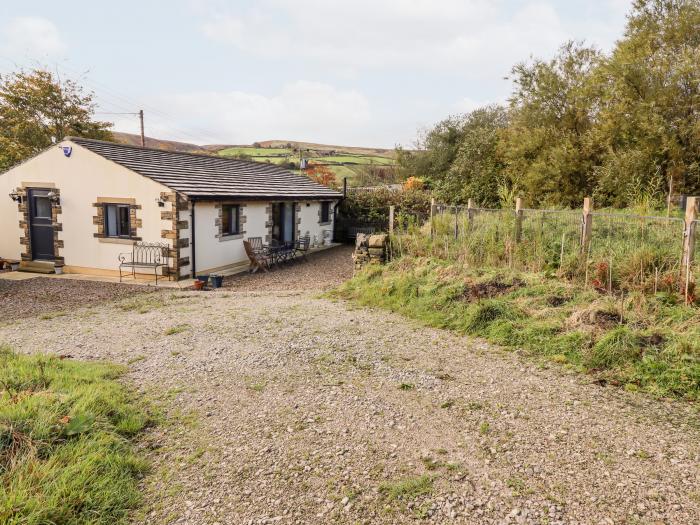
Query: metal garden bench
{"points": [[145, 255]]}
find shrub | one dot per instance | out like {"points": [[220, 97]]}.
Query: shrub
{"points": [[373, 206]]}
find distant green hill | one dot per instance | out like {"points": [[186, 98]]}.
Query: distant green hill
{"points": [[345, 161]]}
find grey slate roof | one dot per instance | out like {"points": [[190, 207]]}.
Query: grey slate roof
{"points": [[203, 176]]}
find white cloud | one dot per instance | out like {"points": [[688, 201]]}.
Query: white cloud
{"points": [[301, 110], [30, 37], [392, 34]]}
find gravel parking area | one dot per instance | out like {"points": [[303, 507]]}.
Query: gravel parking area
{"points": [[286, 408], [45, 296], [323, 270]]}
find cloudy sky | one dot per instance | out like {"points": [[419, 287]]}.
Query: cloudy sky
{"points": [[351, 72]]}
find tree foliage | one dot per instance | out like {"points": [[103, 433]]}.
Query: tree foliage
{"points": [[321, 174], [374, 205], [36, 107], [617, 126]]}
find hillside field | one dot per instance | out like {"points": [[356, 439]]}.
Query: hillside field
{"points": [[343, 161]]}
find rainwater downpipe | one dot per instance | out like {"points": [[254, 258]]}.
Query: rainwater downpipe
{"points": [[192, 243]]}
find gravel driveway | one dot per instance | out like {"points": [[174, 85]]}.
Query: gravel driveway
{"points": [[322, 270], [282, 407], [50, 297]]}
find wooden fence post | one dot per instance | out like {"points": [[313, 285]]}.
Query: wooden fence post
{"points": [[433, 211], [470, 213], [587, 226], [691, 213], [518, 219], [456, 222], [391, 220]]}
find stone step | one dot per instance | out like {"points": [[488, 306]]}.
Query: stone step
{"points": [[45, 267]]}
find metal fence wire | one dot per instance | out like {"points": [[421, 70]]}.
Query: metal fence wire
{"points": [[624, 249], [549, 239], [643, 250]]}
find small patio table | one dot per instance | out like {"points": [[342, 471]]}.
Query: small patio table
{"points": [[281, 252]]}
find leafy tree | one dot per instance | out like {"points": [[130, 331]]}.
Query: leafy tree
{"points": [[615, 126], [547, 147], [478, 168], [413, 183], [321, 174], [435, 153], [374, 175], [35, 107], [374, 205], [649, 121]]}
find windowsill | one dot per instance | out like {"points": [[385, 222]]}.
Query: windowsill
{"points": [[116, 240], [232, 237], [325, 223]]}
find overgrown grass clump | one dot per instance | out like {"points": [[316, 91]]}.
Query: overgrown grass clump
{"points": [[406, 489], [643, 342], [65, 442]]}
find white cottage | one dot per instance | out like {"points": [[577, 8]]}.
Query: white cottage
{"points": [[82, 202]]}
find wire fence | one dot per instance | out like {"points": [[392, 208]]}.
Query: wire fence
{"points": [[611, 251], [635, 249], [549, 239]]}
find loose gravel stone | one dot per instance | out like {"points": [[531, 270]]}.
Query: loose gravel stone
{"points": [[43, 295], [283, 407]]}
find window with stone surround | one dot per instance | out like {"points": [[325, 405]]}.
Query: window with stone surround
{"points": [[230, 219], [117, 220]]}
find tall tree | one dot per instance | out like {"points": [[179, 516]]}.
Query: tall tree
{"points": [[36, 107], [477, 169], [435, 152], [547, 148], [649, 121]]}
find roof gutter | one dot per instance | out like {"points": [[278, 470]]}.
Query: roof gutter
{"points": [[275, 198]]}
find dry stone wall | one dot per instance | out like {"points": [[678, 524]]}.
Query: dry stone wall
{"points": [[370, 249]]}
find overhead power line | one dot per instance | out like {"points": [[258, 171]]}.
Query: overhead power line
{"points": [[107, 98]]}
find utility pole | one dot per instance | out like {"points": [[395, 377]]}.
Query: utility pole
{"points": [[143, 136]]}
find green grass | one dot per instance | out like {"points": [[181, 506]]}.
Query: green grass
{"points": [[354, 159], [342, 165], [177, 329], [646, 343], [255, 152], [627, 252], [65, 442], [143, 303], [406, 489]]}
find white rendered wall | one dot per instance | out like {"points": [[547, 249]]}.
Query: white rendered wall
{"points": [[81, 178]]}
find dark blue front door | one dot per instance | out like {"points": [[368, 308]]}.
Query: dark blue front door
{"points": [[40, 225]]}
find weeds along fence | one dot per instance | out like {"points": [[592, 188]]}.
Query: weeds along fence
{"points": [[605, 249], [692, 292]]}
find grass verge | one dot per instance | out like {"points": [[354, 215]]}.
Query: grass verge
{"points": [[649, 343], [66, 454]]}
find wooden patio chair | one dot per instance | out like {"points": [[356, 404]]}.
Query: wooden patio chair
{"points": [[257, 244], [257, 260]]}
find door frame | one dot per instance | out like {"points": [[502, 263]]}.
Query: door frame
{"points": [[282, 226], [32, 193]]}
